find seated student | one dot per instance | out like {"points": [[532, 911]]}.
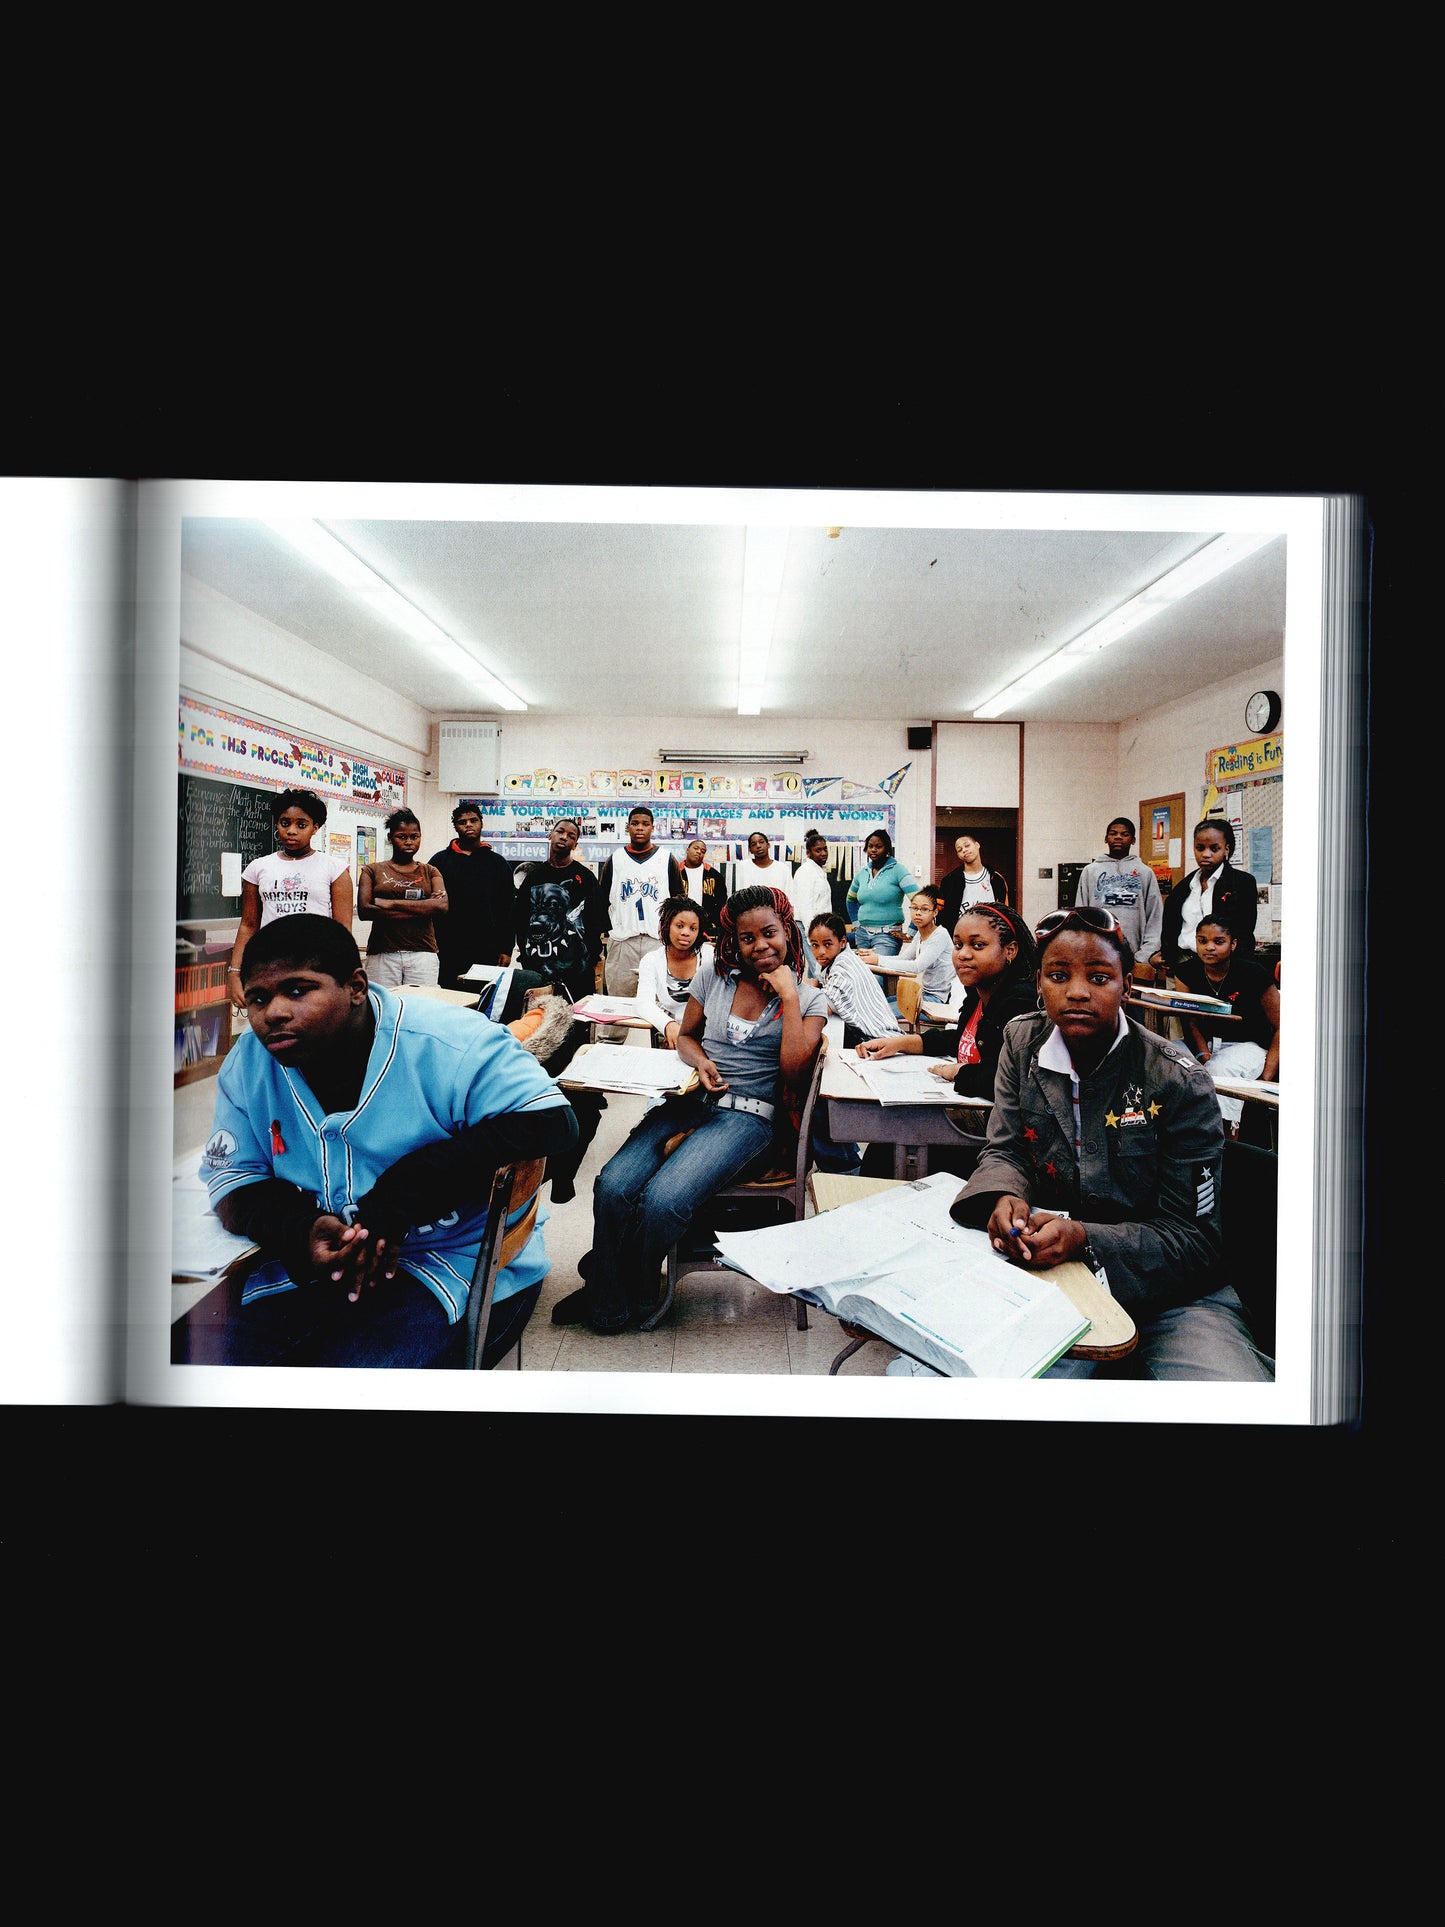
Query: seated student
{"points": [[401, 900], [852, 991], [751, 1033], [356, 1135], [664, 977], [928, 953], [296, 880], [1250, 1049], [1095, 1116], [995, 962]]}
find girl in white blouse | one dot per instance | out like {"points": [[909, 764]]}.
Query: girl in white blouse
{"points": [[928, 953], [664, 977]]}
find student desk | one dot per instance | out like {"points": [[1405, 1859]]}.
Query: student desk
{"points": [[1255, 1091], [1156, 1017], [1111, 1334], [435, 991], [856, 1115]]}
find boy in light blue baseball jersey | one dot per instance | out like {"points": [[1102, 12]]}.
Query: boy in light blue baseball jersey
{"points": [[355, 1138]]}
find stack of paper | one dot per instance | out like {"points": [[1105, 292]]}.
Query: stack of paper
{"points": [[614, 1010], [618, 1067], [896, 1264]]}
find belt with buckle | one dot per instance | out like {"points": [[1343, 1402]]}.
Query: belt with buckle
{"points": [[757, 1105]]}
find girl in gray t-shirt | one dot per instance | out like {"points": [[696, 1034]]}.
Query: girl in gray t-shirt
{"points": [[751, 1032]]}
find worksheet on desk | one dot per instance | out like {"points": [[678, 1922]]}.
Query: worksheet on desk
{"points": [[908, 1080]]}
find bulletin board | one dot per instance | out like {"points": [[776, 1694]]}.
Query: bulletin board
{"points": [[1161, 838], [1255, 808]]}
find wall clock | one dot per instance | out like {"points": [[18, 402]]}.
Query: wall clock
{"points": [[1261, 712]]}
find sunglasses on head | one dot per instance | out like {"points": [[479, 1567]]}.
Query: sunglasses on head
{"points": [[1087, 918]]}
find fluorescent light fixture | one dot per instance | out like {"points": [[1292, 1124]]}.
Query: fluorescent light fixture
{"points": [[1201, 567], [320, 546], [694, 757], [765, 556]]}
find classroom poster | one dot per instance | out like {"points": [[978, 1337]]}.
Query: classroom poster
{"points": [[220, 742]]}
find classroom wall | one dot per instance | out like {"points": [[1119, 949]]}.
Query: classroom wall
{"points": [[236, 659], [1071, 784], [861, 751], [1076, 776]]}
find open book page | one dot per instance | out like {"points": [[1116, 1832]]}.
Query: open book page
{"points": [[201, 1246], [897, 1264], [908, 1080], [970, 1314]]}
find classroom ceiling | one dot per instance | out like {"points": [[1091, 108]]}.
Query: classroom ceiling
{"points": [[602, 618]]}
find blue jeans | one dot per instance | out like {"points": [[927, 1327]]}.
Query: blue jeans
{"points": [[883, 941], [642, 1203]]}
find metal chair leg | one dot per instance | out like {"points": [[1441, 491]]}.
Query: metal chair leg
{"points": [[655, 1318], [847, 1352]]}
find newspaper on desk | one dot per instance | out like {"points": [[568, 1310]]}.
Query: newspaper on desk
{"points": [[896, 1264]]}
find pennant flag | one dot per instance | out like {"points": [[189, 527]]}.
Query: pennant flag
{"points": [[889, 784], [812, 784]]}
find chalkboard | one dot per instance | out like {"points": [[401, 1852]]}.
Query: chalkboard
{"points": [[212, 816]]}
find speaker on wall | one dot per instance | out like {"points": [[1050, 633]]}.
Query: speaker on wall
{"points": [[920, 738]]}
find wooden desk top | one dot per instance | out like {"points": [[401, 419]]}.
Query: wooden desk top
{"points": [[1112, 1332], [435, 991], [1252, 1089]]}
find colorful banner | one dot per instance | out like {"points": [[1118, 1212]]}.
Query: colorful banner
{"points": [[217, 742], [1263, 756], [889, 784]]}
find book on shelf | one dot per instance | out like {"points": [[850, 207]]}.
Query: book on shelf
{"points": [[896, 1264]]}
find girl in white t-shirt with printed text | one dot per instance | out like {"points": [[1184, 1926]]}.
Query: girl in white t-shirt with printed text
{"points": [[295, 878]]}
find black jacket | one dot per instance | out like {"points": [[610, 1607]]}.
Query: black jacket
{"points": [[1018, 999], [1236, 896], [952, 888]]}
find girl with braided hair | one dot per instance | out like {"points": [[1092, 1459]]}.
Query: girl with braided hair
{"points": [[751, 1030], [994, 958]]}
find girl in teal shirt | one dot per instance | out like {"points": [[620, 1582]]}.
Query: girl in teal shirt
{"points": [[875, 897]]}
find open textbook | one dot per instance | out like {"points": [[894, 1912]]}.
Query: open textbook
{"points": [[898, 1265]]}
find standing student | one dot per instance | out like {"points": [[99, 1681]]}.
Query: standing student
{"points": [[634, 886], [1096, 1117], [1252, 1048], [1214, 884], [852, 991], [970, 881], [356, 1136], [296, 880], [810, 891], [705, 886], [760, 866], [401, 900], [751, 1033], [664, 977], [876, 896], [928, 953], [477, 928], [1126, 885], [558, 909]]}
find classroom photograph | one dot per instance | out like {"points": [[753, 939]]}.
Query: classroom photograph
{"points": [[632, 935]]}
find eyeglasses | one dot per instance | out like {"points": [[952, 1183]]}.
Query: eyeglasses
{"points": [[1088, 918]]}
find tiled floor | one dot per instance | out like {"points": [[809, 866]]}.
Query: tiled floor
{"points": [[719, 1321]]}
